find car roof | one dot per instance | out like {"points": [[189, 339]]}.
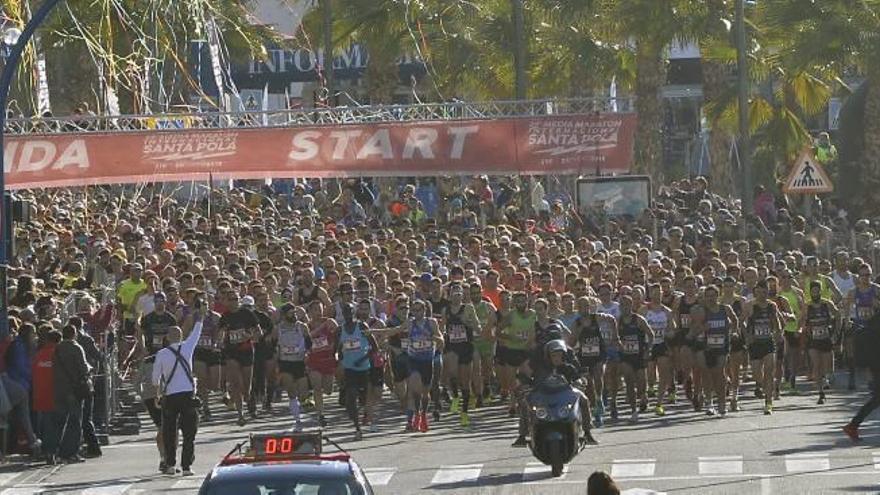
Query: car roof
{"points": [[265, 471]]}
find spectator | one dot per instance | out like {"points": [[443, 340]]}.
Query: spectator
{"points": [[600, 483], [19, 356], [95, 359], [172, 373], [72, 385], [44, 394]]}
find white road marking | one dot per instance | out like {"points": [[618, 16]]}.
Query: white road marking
{"points": [[766, 486], [380, 476], [448, 475], [641, 491], [721, 465], [5, 478], [187, 484], [535, 472], [876, 460], [118, 489], [633, 468], [23, 490], [801, 463], [728, 476]]}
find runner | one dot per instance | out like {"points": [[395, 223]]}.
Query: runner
{"points": [[635, 336], [398, 348], [612, 367], [239, 327], [207, 358], [763, 330], [738, 352], [793, 331], [862, 302], [354, 346], [662, 323], [376, 382], [487, 314], [716, 321], [684, 346], [293, 341], [591, 351], [462, 324], [321, 358], [819, 321], [424, 339], [516, 335]]}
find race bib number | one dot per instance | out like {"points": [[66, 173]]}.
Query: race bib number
{"points": [[422, 345], [630, 347], [404, 344], [320, 343], [206, 341], [685, 321], [289, 350], [716, 341], [865, 312], [590, 350], [238, 336], [457, 334], [351, 345], [762, 331], [605, 330], [820, 332]]}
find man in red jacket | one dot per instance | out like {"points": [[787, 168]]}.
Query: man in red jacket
{"points": [[44, 394]]}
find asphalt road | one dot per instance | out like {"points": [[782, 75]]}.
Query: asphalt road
{"points": [[797, 450]]}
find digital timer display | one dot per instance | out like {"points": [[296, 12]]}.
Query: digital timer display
{"points": [[283, 444]]}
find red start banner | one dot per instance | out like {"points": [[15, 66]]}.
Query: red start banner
{"points": [[540, 145]]}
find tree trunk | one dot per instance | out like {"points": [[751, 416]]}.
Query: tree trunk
{"points": [[650, 78], [869, 200], [720, 173]]}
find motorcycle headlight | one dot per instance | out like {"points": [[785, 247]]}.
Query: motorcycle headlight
{"points": [[541, 412], [565, 409]]}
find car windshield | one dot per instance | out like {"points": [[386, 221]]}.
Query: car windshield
{"points": [[282, 487]]}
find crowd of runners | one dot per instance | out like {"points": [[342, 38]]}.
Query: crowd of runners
{"points": [[442, 295]]}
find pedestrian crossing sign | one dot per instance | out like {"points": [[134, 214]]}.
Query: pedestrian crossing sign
{"points": [[807, 176]]}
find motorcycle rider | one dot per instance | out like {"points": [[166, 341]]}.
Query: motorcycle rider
{"points": [[560, 360]]}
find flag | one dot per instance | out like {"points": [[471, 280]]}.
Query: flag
{"points": [[44, 106], [265, 106], [612, 94], [216, 65]]}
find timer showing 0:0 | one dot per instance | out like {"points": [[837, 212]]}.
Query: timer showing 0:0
{"points": [[273, 446]]}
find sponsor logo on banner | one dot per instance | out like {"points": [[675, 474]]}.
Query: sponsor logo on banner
{"points": [[538, 145], [189, 149], [577, 142], [35, 155]]}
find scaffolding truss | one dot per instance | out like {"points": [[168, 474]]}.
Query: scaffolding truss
{"points": [[456, 110]]}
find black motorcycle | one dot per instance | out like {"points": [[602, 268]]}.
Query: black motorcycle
{"points": [[555, 422]]}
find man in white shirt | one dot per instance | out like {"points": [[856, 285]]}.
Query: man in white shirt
{"points": [[172, 374]]}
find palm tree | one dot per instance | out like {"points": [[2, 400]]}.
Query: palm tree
{"points": [[650, 27], [117, 38], [836, 39], [787, 94], [717, 68]]}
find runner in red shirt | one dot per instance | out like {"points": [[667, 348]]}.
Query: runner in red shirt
{"points": [[321, 360]]}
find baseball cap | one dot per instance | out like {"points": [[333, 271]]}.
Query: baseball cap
{"points": [[247, 301]]}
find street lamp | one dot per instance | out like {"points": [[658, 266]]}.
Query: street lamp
{"points": [[20, 39]]}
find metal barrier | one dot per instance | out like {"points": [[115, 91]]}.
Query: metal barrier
{"points": [[456, 110]]}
